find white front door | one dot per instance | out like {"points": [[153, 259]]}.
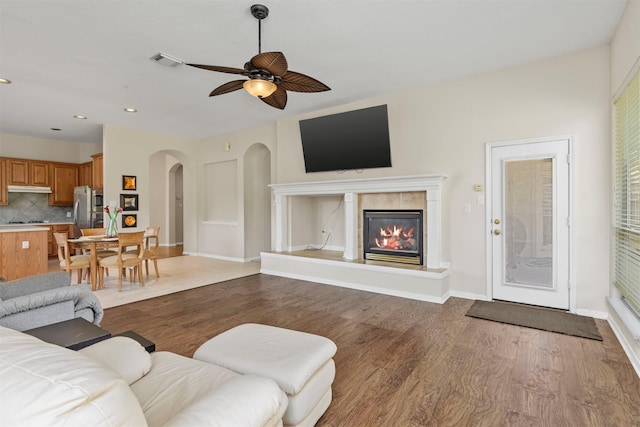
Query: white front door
{"points": [[529, 235]]}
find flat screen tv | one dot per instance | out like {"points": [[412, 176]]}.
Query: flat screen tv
{"points": [[356, 139]]}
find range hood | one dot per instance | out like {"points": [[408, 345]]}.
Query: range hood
{"points": [[28, 189]]}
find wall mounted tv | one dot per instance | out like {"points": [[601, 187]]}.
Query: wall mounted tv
{"points": [[356, 139]]}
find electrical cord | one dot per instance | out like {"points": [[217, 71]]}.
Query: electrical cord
{"points": [[313, 248]]}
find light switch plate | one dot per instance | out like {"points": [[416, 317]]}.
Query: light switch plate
{"points": [[25, 244]]}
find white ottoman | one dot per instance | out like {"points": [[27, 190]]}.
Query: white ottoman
{"points": [[301, 364]]}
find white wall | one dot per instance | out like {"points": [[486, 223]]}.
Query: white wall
{"points": [[176, 204], [130, 151], [444, 128], [221, 187], [150, 156], [257, 201], [227, 241], [27, 147], [162, 195], [309, 215]]}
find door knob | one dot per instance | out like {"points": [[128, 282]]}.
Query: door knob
{"points": [[496, 232], [496, 221]]}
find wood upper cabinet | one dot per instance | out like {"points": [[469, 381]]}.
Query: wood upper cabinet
{"points": [[61, 177], [4, 196], [85, 173], [27, 172], [39, 173], [18, 172], [64, 178], [97, 170]]}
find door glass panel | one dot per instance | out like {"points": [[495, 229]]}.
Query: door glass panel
{"points": [[528, 223]]}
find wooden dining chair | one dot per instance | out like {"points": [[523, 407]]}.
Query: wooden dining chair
{"points": [[100, 252], [151, 243], [123, 260], [70, 262], [93, 231]]}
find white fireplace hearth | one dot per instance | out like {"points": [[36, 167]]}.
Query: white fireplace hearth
{"points": [[429, 283]]}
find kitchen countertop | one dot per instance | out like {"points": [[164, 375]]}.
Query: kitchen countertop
{"points": [[14, 228], [29, 224]]}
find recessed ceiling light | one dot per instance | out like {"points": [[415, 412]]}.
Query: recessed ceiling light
{"points": [[80, 117], [130, 110], [5, 81], [56, 129]]}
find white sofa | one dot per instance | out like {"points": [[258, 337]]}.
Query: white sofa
{"points": [[117, 383]]}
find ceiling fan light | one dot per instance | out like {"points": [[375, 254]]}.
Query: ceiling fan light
{"points": [[259, 88]]}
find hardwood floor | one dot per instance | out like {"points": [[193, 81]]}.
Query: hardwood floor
{"points": [[403, 363], [169, 251]]}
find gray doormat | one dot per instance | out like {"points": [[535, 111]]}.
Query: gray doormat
{"points": [[536, 317]]}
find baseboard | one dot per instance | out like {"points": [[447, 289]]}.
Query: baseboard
{"points": [[170, 244], [626, 345], [222, 258], [592, 313], [468, 295], [376, 290]]}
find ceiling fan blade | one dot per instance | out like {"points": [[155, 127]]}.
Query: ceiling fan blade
{"points": [[274, 62], [227, 87], [277, 99], [229, 70], [299, 82]]}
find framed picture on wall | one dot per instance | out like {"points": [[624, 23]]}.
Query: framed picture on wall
{"points": [[129, 220], [128, 182], [129, 202]]}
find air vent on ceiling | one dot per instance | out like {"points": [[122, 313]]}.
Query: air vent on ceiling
{"points": [[164, 59]]}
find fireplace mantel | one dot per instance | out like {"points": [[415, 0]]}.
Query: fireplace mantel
{"points": [[368, 185], [350, 189]]}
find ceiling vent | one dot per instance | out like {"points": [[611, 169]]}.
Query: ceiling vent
{"points": [[164, 59]]}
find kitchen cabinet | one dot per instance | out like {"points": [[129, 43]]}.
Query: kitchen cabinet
{"points": [[97, 170], [85, 174], [39, 173], [24, 252], [18, 172], [52, 246], [64, 178], [61, 177], [4, 195], [27, 172]]}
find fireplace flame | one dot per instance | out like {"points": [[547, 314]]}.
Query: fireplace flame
{"points": [[395, 238]]}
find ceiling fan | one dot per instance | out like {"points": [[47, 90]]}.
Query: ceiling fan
{"points": [[268, 73]]}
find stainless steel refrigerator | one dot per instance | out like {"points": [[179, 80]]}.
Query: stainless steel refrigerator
{"points": [[87, 208]]}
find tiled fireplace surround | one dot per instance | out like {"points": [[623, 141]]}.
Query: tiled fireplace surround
{"points": [[424, 192]]}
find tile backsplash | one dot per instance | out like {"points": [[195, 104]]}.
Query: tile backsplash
{"points": [[33, 207]]}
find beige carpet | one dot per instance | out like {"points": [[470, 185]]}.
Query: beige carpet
{"points": [[176, 274]]}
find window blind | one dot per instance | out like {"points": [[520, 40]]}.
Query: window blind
{"points": [[627, 192]]}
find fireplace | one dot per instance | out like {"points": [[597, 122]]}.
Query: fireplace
{"points": [[393, 236]]}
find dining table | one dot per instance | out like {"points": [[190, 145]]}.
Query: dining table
{"points": [[93, 244]]}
